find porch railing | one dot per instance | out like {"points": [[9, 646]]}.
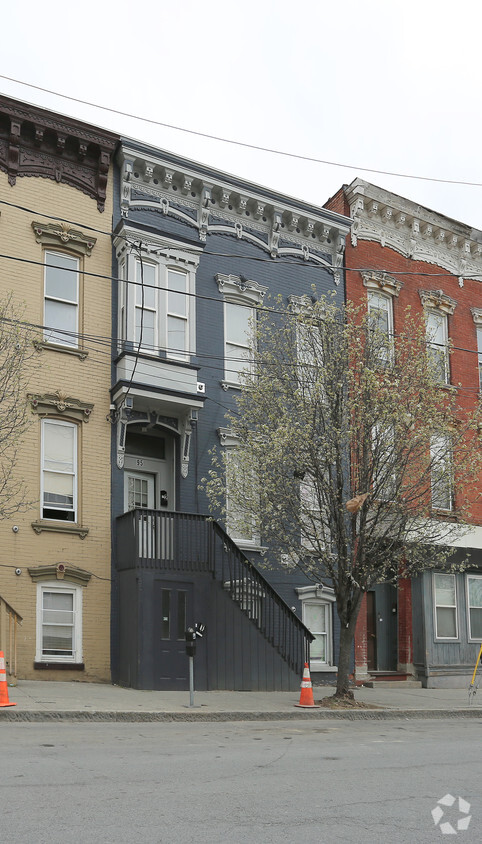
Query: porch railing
{"points": [[9, 621], [186, 542]]}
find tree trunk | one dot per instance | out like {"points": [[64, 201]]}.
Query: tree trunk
{"points": [[346, 642]]}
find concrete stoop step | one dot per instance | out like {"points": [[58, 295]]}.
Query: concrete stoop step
{"points": [[392, 680]]}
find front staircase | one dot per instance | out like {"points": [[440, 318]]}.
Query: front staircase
{"points": [[260, 627]]}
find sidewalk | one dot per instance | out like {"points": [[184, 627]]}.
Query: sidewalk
{"points": [[39, 700]]}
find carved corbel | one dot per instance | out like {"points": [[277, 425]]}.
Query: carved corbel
{"points": [[127, 171], [258, 212], [186, 435], [224, 199], [168, 177], [186, 185], [13, 152], [206, 195], [294, 223], [148, 172]]}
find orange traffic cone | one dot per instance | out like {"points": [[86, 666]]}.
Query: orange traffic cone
{"points": [[3, 683], [306, 696]]}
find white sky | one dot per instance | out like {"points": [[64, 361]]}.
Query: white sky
{"points": [[374, 83]]}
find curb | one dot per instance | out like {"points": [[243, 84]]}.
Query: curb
{"points": [[166, 717]]}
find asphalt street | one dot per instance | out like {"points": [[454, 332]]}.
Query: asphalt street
{"points": [[262, 782]]}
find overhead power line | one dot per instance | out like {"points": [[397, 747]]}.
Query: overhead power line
{"points": [[245, 145]]}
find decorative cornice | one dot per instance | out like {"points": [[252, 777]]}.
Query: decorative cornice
{"points": [[438, 300], [381, 281], [300, 304], [412, 230], [60, 571], [477, 315], [37, 142], [55, 234], [240, 290], [48, 403], [213, 202], [227, 437]]}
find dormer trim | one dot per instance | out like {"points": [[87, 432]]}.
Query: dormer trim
{"points": [[437, 300], [61, 234], [240, 291], [381, 282]]}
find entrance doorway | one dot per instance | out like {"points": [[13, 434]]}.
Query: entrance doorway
{"points": [[173, 613], [382, 628]]}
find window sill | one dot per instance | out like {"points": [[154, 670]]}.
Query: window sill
{"points": [[60, 527], [60, 666], [40, 345]]}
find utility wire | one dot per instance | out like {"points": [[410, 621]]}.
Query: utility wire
{"points": [[243, 144], [259, 259]]}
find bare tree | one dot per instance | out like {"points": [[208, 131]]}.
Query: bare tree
{"points": [[356, 463], [17, 358]]}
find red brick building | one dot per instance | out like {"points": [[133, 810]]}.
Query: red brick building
{"points": [[398, 254]]}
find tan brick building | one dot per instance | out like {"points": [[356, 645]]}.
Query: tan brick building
{"points": [[55, 223]]}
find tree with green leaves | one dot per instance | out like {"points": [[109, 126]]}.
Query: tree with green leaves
{"points": [[17, 360], [353, 463]]}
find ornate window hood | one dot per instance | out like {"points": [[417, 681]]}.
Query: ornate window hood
{"points": [[37, 142], [214, 202], [412, 230]]}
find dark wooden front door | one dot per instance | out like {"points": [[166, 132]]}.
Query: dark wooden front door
{"points": [[371, 632], [173, 613]]}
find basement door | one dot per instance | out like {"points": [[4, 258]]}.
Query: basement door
{"points": [[173, 613]]}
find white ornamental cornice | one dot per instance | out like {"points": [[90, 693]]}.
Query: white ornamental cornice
{"points": [[477, 315], [412, 230], [213, 202]]}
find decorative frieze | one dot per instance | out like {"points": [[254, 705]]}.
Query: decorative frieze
{"points": [[58, 148], [412, 230], [224, 208]]}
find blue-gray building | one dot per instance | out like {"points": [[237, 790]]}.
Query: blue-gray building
{"points": [[195, 250]]}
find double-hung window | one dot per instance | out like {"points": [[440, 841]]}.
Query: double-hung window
{"points": [[59, 623], [441, 472], [61, 299], [317, 613], [384, 477], [474, 600], [177, 314], [445, 606], [59, 470], [237, 336], [146, 306], [437, 338], [479, 350], [240, 299], [380, 321]]}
